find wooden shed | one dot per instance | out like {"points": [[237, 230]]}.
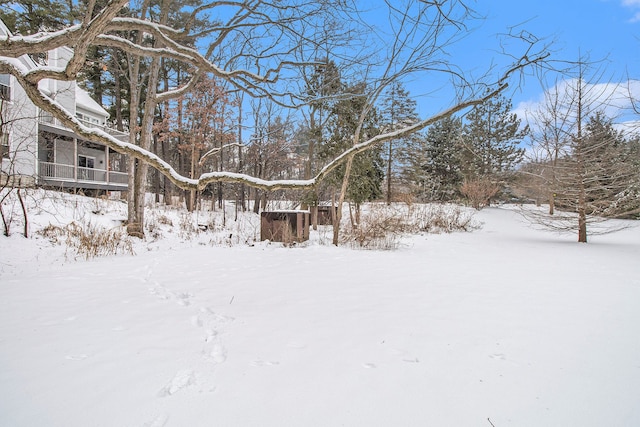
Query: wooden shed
{"points": [[324, 216], [284, 226]]}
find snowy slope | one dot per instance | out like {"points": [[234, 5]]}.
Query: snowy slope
{"points": [[505, 325]]}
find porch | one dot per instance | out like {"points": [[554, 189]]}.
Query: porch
{"points": [[67, 161], [73, 176]]}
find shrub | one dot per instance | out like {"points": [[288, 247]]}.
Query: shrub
{"points": [[379, 229], [479, 192], [443, 218], [89, 240], [382, 227]]}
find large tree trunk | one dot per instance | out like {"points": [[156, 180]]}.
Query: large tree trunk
{"points": [[343, 192], [140, 170], [135, 221]]}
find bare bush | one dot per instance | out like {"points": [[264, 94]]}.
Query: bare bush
{"points": [[443, 219], [205, 227], [9, 202], [382, 227], [165, 220], [377, 230], [479, 192], [89, 240], [187, 227]]}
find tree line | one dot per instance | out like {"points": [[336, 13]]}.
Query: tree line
{"points": [[239, 115]]}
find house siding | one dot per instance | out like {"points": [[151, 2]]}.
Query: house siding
{"points": [[22, 127], [63, 92]]}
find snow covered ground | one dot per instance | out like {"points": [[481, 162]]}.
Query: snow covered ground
{"points": [[503, 326]]}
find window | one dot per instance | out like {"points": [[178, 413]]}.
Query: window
{"points": [[87, 119], [85, 168], [5, 87], [4, 145], [86, 161]]}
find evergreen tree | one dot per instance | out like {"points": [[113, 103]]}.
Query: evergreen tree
{"points": [[322, 86], [595, 177], [607, 166], [490, 142], [365, 182], [629, 198], [441, 169], [31, 16], [398, 110]]}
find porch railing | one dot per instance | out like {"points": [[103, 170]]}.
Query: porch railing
{"points": [[49, 119], [119, 178], [81, 174], [57, 170]]}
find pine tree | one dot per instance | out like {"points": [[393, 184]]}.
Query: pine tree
{"points": [[322, 86], [433, 163], [442, 168], [365, 181], [629, 198], [398, 110], [490, 143], [31, 16], [593, 180]]}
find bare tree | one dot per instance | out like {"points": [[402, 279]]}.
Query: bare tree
{"points": [[199, 124], [269, 32], [550, 141], [581, 162], [269, 152]]}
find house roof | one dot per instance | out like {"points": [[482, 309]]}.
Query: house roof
{"points": [[84, 101], [4, 31]]}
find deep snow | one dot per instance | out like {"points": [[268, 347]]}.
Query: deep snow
{"points": [[504, 325]]}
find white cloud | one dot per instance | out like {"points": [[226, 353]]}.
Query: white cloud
{"points": [[633, 4], [616, 100]]}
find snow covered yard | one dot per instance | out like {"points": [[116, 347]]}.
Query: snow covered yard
{"points": [[504, 325]]}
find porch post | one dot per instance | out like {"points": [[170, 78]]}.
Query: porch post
{"points": [[106, 163], [75, 159]]}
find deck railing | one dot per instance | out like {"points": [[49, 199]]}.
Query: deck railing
{"points": [[49, 119], [118, 178], [57, 170], [80, 174]]}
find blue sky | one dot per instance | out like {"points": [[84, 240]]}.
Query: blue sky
{"points": [[601, 29]]}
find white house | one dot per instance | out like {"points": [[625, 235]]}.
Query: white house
{"points": [[36, 149]]}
